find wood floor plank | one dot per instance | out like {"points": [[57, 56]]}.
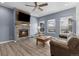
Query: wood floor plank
{"points": [[25, 47], [0, 49], [34, 46], [39, 51], [17, 53], [21, 50], [31, 51], [3, 50], [10, 51]]}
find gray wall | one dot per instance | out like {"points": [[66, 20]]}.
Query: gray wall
{"points": [[77, 20], [7, 17], [33, 26], [57, 16]]}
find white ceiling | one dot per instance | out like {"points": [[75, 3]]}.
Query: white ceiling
{"points": [[51, 8]]}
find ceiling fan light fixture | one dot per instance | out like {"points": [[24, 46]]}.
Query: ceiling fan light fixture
{"points": [[38, 6]]}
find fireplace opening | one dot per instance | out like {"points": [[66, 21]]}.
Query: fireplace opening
{"points": [[23, 32]]}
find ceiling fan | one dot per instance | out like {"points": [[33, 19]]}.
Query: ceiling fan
{"points": [[38, 6]]}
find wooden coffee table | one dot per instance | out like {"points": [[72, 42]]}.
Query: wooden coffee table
{"points": [[43, 39]]}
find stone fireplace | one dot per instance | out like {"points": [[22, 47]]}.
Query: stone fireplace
{"points": [[22, 29]]}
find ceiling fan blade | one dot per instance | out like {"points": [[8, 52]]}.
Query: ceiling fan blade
{"points": [[35, 3], [30, 5], [40, 9], [42, 5], [34, 9]]}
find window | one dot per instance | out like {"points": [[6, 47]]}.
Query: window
{"points": [[66, 24], [51, 25]]}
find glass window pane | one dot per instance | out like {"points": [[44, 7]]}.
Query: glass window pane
{"points": [[51, 25], [65, 24]]}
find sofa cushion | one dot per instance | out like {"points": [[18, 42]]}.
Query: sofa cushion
{"points": [[73, 41], [70, 35]]}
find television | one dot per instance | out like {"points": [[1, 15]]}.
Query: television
{"points": [[23, 17]]}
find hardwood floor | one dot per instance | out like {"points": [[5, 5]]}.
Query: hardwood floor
{"points": [[24, 47]]}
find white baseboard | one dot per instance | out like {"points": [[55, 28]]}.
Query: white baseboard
{"points": [[6, 41]]}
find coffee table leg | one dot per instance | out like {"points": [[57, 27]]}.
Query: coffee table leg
{"points": [[36, 42]]}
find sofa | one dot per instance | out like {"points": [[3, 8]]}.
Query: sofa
{"points": [[64, 47]]}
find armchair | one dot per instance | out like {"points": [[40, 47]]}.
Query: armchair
{"points": [[68, 47]]}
